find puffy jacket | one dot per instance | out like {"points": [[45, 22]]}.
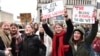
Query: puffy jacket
{"points": [[32, 46]]}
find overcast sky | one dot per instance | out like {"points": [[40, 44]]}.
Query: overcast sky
{"points": [[98, 0], [19, 6]]}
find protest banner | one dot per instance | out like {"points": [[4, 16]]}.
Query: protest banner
{"points": [[83, 14], [52, 9]]}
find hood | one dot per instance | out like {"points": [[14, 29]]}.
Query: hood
{"points": [[81, 30]]}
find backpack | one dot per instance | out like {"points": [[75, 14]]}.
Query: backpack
{"points": [[96, 44]]}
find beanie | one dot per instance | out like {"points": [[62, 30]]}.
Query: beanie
{"points": [[80, 29]]}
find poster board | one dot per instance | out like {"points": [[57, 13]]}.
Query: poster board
{"points": [[52, 9], [83, 14]]}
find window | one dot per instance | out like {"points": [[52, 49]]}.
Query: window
{"points": [[78, 2], [88, 2]]}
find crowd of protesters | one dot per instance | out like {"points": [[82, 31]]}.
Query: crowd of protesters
{"points": [[42, 40]]}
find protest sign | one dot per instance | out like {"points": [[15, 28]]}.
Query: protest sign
{"points": [[52, 9], [83, 14]]}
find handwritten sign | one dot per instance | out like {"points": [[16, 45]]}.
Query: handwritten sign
{"points": [[83, 14], [52, 9]]}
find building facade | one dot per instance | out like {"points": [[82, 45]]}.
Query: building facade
{"points": [[68, 4], [5, 16], [39, 11]]}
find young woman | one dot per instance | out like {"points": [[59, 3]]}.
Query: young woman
{"points": [[96, 45], [16, 39], [45, 39], [60, 38], [36, 26], [79, 43], [31, 44]]}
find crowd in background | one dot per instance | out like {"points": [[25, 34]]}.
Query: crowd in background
{"points": [[41, 39]]}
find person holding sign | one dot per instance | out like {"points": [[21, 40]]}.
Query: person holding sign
{"points": [[60, 38], [78, 41]]}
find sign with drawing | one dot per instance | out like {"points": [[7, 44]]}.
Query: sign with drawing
{"points": [[52, 9]]}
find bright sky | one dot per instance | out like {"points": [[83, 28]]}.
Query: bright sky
{"points": [[19, 6], [98, 0]]}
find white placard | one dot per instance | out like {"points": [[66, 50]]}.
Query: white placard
{"points": [[83, 14], [52, 9]]}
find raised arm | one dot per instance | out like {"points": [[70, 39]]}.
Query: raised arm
{"points": [[93, 33], [69, 31], [47, 29]]}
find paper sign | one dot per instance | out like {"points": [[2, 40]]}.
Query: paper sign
{"points": [[83, 14], [52, 9]]}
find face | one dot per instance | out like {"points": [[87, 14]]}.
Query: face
{"points": [[77, 35], [65, 13], [36, 26], [41, 28], [58, 28], [6, 27], [28, 29], [13, 29]]}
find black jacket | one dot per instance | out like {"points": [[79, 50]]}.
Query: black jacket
{"points": [[32, 46], [2, 53], [66, 37], [2, 48]]}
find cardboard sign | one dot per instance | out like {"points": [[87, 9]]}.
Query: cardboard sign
{"points": [[83, 14], [52, 9]]}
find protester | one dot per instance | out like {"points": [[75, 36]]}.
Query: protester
{"points": [[5, 38], [60, 38], [96, 45], [45, 39], [31, 45], [16, 39], [36, 26], [79, 43]]}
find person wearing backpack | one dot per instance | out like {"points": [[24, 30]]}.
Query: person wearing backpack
{"points": [[96, 45]]}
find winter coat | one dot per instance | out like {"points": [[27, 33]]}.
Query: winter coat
{"points": [[2, 53], [47, 42], [16, 39], [82, 46], [32, 46], [5, 41], [65, 39], [96, 43]]}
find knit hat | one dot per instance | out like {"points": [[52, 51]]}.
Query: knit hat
{"points": [[80, 29]]}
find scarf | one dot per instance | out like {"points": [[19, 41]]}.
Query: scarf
{"points": [[18, 39], [6, 39], [61, 47]]}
